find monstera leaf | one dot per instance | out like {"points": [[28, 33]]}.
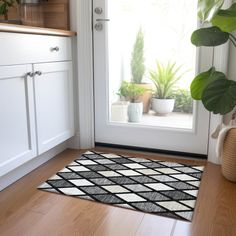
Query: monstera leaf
{"points": [[202, 80], [226, 19], [220, 96], [211, 36], [207, 9]]}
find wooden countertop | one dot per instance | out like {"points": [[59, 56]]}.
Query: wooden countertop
{"points": [[11, 28]]}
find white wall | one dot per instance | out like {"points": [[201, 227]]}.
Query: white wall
{"points": [[231, 70], [232, 60]]}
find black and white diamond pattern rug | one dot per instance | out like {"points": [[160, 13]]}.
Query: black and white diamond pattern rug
{"points": [[163, 188]]}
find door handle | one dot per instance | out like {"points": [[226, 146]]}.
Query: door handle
{"points": [[99, 20], [99, 26], [56, 49]]}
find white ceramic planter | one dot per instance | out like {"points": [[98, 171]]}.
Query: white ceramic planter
{"points": [[135, 111], [163, 106], [119, 111]]}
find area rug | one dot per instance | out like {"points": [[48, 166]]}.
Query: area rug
{"points": [[163, 188]]}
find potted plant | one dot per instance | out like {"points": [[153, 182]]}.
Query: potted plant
{"points": [[5, 5], [132, 93], [138, 70], [164, 78], [212, 87], [183, 101]]}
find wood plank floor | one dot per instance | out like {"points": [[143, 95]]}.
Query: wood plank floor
{"points": [[24, 210]]}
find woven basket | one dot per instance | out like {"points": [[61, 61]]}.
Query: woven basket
{"points": [[229, 156]]}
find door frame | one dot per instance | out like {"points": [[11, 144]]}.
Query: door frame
{"points": [[85, 87]]}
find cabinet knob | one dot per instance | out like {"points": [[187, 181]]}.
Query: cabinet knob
{"points": [[38, 73], [29, 74], [56, 49]]}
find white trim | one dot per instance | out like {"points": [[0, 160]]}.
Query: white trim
{"points": [[220, 61], [24, 169], [85, 73]]}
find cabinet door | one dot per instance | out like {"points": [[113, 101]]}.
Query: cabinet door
{"points": [[54, 103], [17, 117]]}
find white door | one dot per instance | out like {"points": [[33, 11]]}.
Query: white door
{"points": [[166, 28], [54, 103], [17, 126]]}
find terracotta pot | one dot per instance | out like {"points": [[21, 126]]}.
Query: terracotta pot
{"points": [[146, 97], [229, 156]]}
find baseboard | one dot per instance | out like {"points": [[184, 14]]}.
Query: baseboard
{"points": [[74, 142], [24, 169]]}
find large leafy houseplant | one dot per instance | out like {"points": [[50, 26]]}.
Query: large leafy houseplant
{"points": [[217, 92], [5, 5]]}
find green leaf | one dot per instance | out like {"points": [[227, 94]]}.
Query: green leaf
{"points": [[226, 19], [202, 80], [3, 8], [220, 96], [207, 9], [209, 37]]}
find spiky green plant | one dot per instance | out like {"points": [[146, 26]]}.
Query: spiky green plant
{"points": [[137, 60], [165, 79], [5, 5]]}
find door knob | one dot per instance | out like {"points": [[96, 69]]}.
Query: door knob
{"points": [[98, 10], [98, 26]]}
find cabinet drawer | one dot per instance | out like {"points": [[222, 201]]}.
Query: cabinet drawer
{"points": [[26, 48]]}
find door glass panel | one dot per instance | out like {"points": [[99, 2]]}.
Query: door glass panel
{"points": [[149, 40]]}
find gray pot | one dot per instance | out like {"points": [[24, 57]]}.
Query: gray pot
{"points": [[135, 112]]}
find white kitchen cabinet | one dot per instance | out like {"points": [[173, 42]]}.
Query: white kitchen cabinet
{"points": [[54, 103], [17, 117], [36, 96]]}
